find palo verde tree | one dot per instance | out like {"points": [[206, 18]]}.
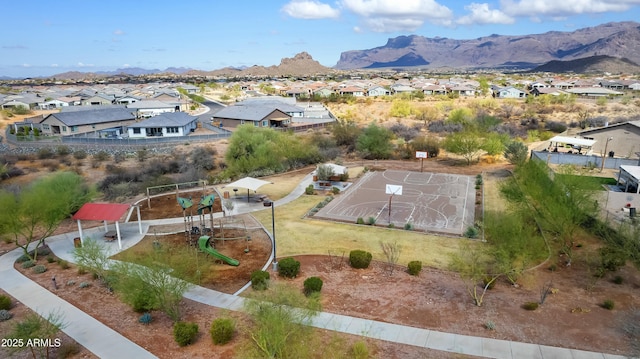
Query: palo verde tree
{"points": [[375, 142], [35, 212], [467, 144], [476, 269]]}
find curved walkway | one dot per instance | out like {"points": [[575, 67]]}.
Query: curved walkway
{"points": [[107, 343]]}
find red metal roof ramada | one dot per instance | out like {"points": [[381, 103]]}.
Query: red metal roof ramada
{"points": [[101, 212]]}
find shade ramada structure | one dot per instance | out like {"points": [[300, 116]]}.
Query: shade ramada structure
{"points": [[106, 212]]}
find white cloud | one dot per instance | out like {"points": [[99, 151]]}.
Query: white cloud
{"points": [[118, 32], [81, 64], [563, 8], [55, 65], [394, 15], [310, 9], [26, 65], [482, 14]]}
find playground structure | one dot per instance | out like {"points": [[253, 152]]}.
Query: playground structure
{"points": [[205, 242]]}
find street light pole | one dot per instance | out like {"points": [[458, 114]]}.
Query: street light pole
{"points": [[604, 155], [271, 204]]}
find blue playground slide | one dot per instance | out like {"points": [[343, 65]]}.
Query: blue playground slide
{"points": [[203, 243]]}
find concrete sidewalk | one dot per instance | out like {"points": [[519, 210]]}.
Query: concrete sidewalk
{"points": [[106, 343], [84, 329]]}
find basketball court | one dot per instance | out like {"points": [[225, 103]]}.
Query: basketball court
{"points": [[431, 202]]}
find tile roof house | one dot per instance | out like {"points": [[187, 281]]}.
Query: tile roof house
{"points": [[86, 120], [621, 139], [170, 124], [150, 108]]}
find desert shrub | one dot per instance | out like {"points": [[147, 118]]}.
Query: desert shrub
{"points": [[530, 305], [39, 269], [312, 285], [50, 259], [28, 264], [260, 280], [101, 156], [309, 190], [80, 154], [63, 264], [608, 304], [612, 258], [142, 155], [23, 258], [5, 315], [335, 190], [371, 221], [185, 333], [359, 350], [85, 285], [414, 267], [289, 267], [119, 157], [45, 153], [360, 220], [68, 349], [408, 226], [5, 302], [63, 150], [555, 126], [222, 330], [618, 279], [490, 325], [145, 318], [359, 258]]}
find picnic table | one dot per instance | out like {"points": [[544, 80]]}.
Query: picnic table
{"points": [[110, 236]]}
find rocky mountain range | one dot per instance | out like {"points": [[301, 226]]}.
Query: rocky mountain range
{"points": [[301, 64], [616, 39]]}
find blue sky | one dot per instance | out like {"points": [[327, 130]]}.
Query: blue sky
{"points": [[42, 38]]}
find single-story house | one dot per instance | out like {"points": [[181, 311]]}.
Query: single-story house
{"points": [[509, 92], [553, 91], [463, 90], [399, 88], [323, 92], [377, 91], [593, 92], [621, 139], [352, 90], [170, 124], [98, 100], [259, 115], [434, 90], [150, 108], [91, 120]]}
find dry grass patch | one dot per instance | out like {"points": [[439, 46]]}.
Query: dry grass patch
{"points": [[297, 235]]}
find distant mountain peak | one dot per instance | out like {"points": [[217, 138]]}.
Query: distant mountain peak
{"points": [[616, 39]]}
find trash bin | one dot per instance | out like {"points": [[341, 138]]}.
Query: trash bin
{"points": [[632, 212], [611, 154], [77, 243]]}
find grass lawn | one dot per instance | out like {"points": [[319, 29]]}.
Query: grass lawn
{"points": [[297, 235], [591, 183]]}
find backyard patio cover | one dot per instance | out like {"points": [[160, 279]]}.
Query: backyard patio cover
{"points": [[249, 183], [103, 212]]}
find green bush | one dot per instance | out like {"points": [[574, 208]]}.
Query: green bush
{"points": [[289, 267], [28, 264], [222, 330], [359, 258], [80, 154], [63, 264], [50, 259], [101, 156], [360, 220], [260, 280], [309, 190], [414, 267], [335, 190], [408, 226], [608, 304], [312, 285], [39, 269], [472, 232], [371, 220], [185, 333], [618, 279], [68, 350], [530, 305], [5, 302]]}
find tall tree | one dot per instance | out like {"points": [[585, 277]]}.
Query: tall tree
{"points": [[375, 142], [466, 144], [35, 212]]}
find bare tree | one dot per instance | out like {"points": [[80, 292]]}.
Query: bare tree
{"points": [[392, 253], [545, 291]]}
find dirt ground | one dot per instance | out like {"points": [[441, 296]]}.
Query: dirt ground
{"points": [[570, 317]]}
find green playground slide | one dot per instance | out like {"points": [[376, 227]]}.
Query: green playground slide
{"points": [[203, 243]]}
